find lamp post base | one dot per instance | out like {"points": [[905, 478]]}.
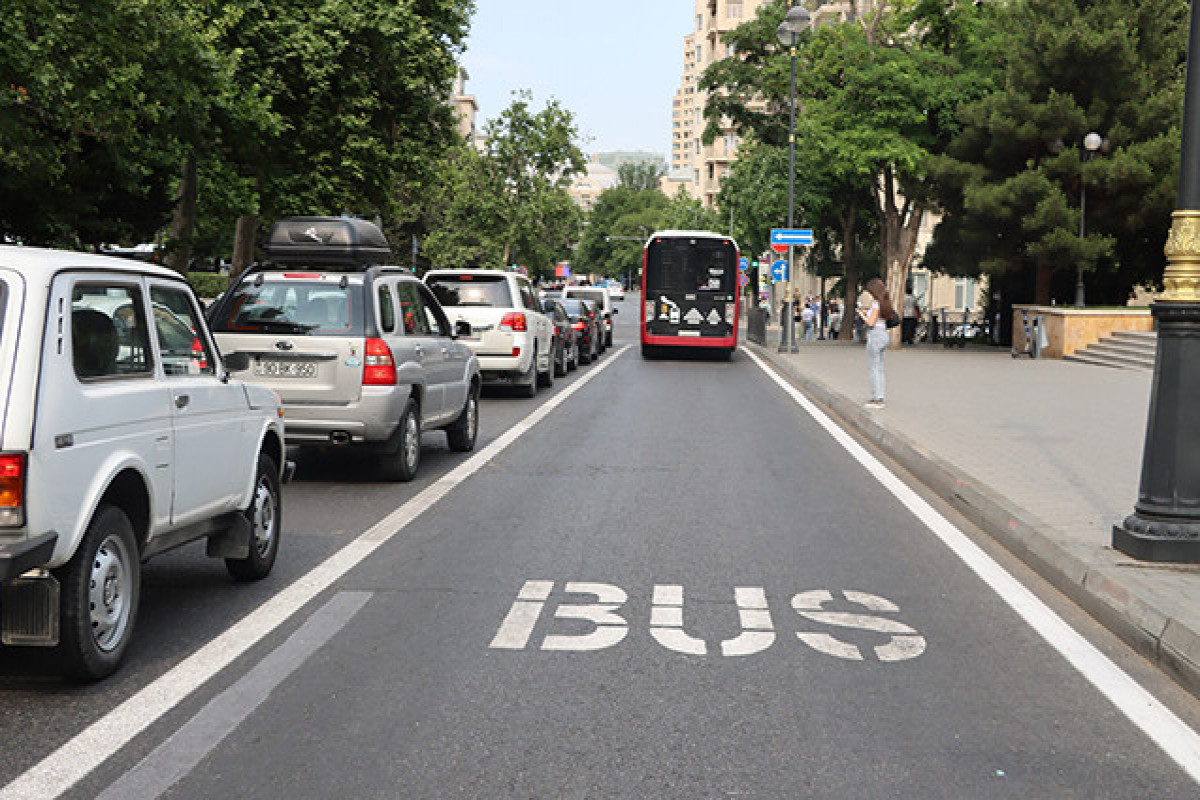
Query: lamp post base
{"points": [[1165, 524], [1158, 540]]}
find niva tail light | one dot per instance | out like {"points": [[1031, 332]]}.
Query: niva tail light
{"points": [[379, 368], [12, 489]]}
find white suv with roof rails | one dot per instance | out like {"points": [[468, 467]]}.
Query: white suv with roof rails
{"points": [[513, 338], [362, 354], [121, 436]]}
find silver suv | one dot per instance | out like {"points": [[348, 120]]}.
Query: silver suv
{"points": [[362, 354], [121, 436]]}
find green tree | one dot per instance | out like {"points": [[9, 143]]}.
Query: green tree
{"points": [[102, 106], [360, 86], [639, 175], [509, 204], [1011, 179]]}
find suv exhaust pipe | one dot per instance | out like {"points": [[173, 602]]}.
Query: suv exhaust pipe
{"points": [[339, 437]]}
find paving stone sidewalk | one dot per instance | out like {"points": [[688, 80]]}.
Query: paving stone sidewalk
{"points": [[1044, 455]]}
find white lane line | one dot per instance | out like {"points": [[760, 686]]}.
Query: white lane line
{"points": [[1157, 721], [92, 746], [180, 753]]}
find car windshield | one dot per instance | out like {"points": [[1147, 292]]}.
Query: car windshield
{"points": [[471, 290], [295, 307]]}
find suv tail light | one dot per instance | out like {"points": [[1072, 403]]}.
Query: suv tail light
{"points": [[379, 368], [579, 326], [513, 321], [12, 489]]}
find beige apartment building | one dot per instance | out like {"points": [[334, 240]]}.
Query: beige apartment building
{"points": [[693, 165]]}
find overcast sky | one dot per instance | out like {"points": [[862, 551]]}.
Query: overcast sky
{"points": [[614, 64]]}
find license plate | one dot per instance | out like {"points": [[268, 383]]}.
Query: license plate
{"points": [[285, 369]]}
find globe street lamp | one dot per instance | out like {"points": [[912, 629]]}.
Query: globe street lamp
{"points": [[1165, 524], [788, 33], [1091, 143]]}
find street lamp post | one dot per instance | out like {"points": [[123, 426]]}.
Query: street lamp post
{"points": [[1165, 524], [788, 33], [1091, 143]]}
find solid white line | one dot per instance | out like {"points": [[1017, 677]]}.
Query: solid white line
{"points": [[95, 744], [1157, 721]]}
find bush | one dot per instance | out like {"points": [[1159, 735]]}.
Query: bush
{"points": [[208, 284]]}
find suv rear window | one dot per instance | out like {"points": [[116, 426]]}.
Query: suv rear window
{"points": [[595, 295], [472, 290], [316, 308]]}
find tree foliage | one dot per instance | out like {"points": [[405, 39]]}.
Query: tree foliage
{"points": [[1010, 181], [509, 204]]}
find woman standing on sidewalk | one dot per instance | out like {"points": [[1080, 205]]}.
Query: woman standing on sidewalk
{"points": [[875, 318]]}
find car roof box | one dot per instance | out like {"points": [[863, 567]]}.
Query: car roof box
{"points": [[327, 241]]}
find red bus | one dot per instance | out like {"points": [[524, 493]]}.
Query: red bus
{"points": [[689, 293]]}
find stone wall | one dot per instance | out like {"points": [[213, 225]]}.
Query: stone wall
{"points": [[1070, 329]]}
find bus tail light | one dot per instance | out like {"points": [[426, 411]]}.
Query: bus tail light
{"points": [[12, 489], [379, 368], [513, 321]]}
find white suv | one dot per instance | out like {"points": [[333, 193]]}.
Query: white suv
{"points": [[513, 338], [121, 436]]}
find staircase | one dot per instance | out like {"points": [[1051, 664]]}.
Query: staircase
{"points": [[1128, 349]]}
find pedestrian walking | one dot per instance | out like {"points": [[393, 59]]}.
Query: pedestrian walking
{"points": [[808, 318], [875, 321]]}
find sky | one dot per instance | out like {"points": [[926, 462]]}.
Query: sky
{"points": [[614, 64]]}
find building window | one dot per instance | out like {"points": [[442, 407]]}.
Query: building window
{"points": [[920, 282], [733, 10], [964, 294]]}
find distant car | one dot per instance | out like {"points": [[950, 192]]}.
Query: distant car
{"points": [[566, 354], [122, 435], [587, 330], [616, 290], [510, 335], [600, 296], [362, 353]]}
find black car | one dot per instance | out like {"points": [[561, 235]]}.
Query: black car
{"points": [[566, 350], [587, 331]]}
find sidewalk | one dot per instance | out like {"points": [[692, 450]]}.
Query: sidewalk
{"points": [[1043, 455]]}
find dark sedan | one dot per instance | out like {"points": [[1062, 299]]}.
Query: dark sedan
{"points": [[587, 330]]}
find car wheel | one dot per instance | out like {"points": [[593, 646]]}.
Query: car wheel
{"points": [[400, 463], [461, 433], [585, 354], [546, 379], [100, 589], [560, 362], [265, 515], [573, 362], [608, 339], [527, 386]]}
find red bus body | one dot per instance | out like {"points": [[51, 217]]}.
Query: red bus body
{"points": [[690, 292]]}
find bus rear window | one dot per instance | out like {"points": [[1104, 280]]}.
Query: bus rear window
{"points": [[691, 265], [472, 290]]}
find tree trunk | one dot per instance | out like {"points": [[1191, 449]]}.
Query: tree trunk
{"points": [[899, 227], [850, 261], [183, 222], [243, 246], [1041, 284]]}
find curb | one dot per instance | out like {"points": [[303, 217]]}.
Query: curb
{"points": [[1099, 582]]}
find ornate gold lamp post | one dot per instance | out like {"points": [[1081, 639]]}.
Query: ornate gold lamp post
{"points": [[1165, 524]]}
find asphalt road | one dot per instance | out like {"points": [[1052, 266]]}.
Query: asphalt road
{"points": [[673, 583]]}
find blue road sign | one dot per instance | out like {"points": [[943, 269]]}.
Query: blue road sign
{"points": [[779, 270], [792, 236], [743, 263], [743, 280]]}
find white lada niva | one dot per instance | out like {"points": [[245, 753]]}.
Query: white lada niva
{"points": [[122, 435]]}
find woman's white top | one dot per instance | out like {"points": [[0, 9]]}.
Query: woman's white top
{"points": [[880, 322]]}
